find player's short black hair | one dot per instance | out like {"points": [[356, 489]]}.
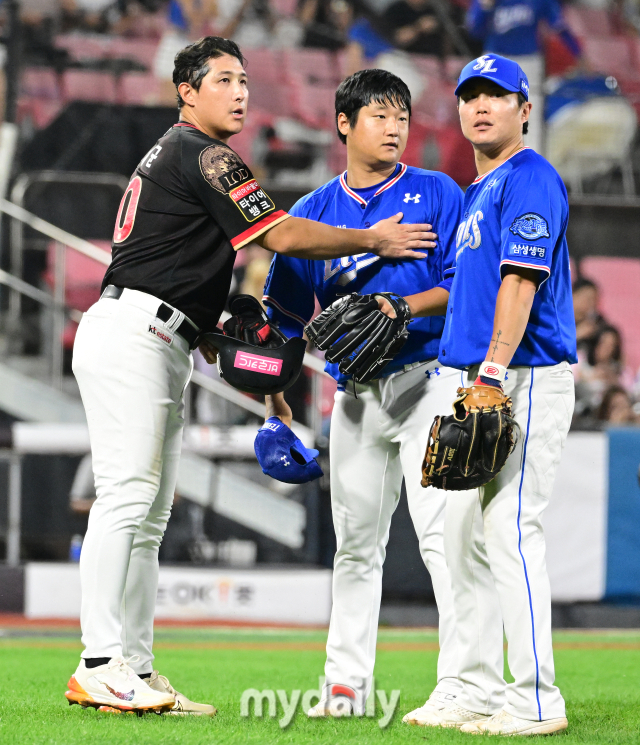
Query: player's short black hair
{"points": [[521, 102], [365, 87], [191, 63]]}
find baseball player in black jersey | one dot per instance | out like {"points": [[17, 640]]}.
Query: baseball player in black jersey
{"points": [[190, 205]]}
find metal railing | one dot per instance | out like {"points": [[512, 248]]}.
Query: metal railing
{"points": [[56, 302]]}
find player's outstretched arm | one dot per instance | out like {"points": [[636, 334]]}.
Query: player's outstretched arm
{"points": [[277, 406], [429, 303], [308, 239], [513, 307]]}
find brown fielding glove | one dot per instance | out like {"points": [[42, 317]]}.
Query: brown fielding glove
{"points": [[468, 449]]}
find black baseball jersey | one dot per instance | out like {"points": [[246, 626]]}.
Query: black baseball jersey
{"points": [[190, 204]]}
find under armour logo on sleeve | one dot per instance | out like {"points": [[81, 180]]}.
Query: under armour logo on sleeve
{"points": [[409, 198]]}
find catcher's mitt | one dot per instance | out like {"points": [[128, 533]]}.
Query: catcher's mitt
{"points": [[468, 449], [357, 335]]}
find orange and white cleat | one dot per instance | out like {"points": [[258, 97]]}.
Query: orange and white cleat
{"points": [[115, 686]]}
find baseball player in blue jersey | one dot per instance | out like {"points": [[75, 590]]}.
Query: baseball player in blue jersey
{"points": [[379, 434], [510, 324]]}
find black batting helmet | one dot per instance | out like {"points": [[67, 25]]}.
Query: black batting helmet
{"points": [[270, 366]]}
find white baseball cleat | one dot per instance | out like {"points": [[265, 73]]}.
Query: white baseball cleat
{"points": [[182, 706], [115, 686], [506, 724], [449, 716], [336, 706], [436, 702]]}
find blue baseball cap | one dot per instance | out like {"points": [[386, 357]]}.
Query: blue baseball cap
{"points": [[502, 71]]}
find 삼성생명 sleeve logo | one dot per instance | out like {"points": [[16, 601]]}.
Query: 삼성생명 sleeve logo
{"points": [[530, 226]]}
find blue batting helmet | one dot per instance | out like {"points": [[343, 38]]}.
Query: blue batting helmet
{"points": [[282, 455]]}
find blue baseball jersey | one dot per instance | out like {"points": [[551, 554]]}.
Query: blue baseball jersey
{"points": [[423, 197], [511, 26], [516, 214]]}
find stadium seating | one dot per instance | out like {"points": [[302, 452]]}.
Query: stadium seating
{"points": [[315, 105], [87, 85], [611, 55], [140, 50], [264, 66], [138, 89], [85, 46], [588, 21], [618, 280], [83, 276], [311, 66], [41, 82]]}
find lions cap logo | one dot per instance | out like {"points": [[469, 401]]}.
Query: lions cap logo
{"points": [[530, 227]]}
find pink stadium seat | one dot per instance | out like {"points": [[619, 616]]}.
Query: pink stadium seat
{"points": [[284, 7], [619, 280], [311, 65], [437, 104], [315, 105], [428, 65], [84, 47], [610, 56], [86, 85], [139, 89], [41, 82], [588, 21], [141, 50], [453, 67], [264, 66], [276, 99], [44, 111], [83, 276]]}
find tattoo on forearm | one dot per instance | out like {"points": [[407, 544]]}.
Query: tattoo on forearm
{"points": [[496, 342]]}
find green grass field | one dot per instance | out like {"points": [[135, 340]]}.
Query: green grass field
{"points": [[599, 674]]}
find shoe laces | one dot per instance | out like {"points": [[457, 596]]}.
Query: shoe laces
{"points": [[166, 684], [121, 665]]}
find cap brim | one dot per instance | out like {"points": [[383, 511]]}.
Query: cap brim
{"points": [[497, 81]]}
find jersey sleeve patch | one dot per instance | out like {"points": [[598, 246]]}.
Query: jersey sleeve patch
{"points": [[223, 168], [526, 250], [530, 226]]}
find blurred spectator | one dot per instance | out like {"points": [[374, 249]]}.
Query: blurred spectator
{"points": [[597, 370], [187, 21], [513, 28], [249, 23], [325, 23], [366, 40], [617, 407], [589, 321], [414, 26]]}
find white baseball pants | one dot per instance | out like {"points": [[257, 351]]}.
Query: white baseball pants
{"points": [[132, 370], [375, 439], [495, 551]]}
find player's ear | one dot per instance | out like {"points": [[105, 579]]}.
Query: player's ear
{"points": [[186, 93], [343, 124], [526, 111]]}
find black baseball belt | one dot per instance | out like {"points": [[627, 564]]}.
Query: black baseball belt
{"points": [[187, 330]]}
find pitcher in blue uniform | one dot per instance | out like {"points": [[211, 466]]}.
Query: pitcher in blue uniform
{"points": [[509, 323], [378, 435]]}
